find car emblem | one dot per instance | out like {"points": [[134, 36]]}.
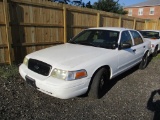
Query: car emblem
{"points": [[36, 67]]}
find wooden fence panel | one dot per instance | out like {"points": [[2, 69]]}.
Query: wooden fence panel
{"points": [[3, 46], [158, 25], [35, 24], [78, 21], [140, 25], [152, 24], [2, 23], [1, 13], [127, 23], [109, 21], [4, 53]]}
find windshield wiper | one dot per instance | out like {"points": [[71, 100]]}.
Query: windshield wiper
{"points": [[87, 43], [73, 42]]}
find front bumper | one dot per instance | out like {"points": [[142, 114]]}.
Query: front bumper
{"points": [[55, 87]]}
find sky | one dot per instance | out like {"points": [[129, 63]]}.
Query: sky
{"points": [[121, 2]]}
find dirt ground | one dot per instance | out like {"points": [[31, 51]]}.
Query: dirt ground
{"points": [[134, 95]]}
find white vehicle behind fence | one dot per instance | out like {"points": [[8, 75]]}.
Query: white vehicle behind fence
{"points": [[154, 37], [86, 62]]}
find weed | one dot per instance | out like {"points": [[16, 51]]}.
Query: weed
{"points": [[8, 71], [157, 57]]}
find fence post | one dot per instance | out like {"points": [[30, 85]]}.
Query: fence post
{"points": [[98, 19], [145, 25], [8, 34], [157, 24], [65, 23], [120, 21], [134, 25]]}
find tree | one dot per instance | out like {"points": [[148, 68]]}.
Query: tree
{"points": [[77, 2], [83, 4], [70, 2], [88, 5], [109, 6], [61, 1]]}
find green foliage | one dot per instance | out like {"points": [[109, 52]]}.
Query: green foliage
{"points": [[109, 6], [157, 57], [88, 5], [104, 5], [8, 71]]}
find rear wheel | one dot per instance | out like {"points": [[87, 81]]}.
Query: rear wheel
{"points": [[144, 62], [99, 82], [155, 51]]}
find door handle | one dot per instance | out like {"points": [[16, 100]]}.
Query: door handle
{"points": [[134, 50]]}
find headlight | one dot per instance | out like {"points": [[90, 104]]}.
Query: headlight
{"points": [[25, 61], [152, 45], [60, 74], [68, 75]]}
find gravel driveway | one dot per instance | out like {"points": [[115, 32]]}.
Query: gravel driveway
{"points": [[128, 97]]}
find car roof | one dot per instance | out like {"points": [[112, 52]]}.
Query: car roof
{"points": [[110, 28], [151, 30]]}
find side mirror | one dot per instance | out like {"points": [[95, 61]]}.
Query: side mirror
{"points": [[114, 45], [70, 40], [124, 46]]}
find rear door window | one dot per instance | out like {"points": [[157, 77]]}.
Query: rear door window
{"points": [[137, 38]]}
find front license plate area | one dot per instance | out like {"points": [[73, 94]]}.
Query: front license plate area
{"points": [[31, 82]]}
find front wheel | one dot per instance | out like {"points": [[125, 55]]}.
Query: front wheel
{"points": [[98, 84], [144, 62]]}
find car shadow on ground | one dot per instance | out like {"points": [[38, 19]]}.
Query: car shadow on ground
{"points": [[114, 81], [154, 105], [111, 83]]}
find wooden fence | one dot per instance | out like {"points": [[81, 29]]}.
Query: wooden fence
{"points": [[30, 25], [152, 25]]}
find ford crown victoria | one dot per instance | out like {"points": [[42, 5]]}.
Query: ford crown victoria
{"points": [[86, 62], [154, 37]]}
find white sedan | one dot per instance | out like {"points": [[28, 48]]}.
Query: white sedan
{"points": [[85, 63], [154, 37]]}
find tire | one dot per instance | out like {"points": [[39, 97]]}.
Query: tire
{"points": [[98, 84], [155, 52], [144, 62]]}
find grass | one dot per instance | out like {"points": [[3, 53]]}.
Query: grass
{"points": [[157, 57], [8, 71]]}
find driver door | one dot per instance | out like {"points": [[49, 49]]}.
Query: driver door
{"points": [[126, 56]]}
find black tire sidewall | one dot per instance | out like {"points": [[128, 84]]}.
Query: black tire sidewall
{"points": [[144, 64], [155, 51], [95, 91]]}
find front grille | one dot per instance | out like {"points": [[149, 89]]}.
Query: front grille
{"points": [[39, 67]]}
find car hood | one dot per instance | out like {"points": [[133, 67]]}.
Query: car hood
{"points": [[68, 55]]}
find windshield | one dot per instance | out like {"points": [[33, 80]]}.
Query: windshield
{"points": [[150, 34], [97, 38]]}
